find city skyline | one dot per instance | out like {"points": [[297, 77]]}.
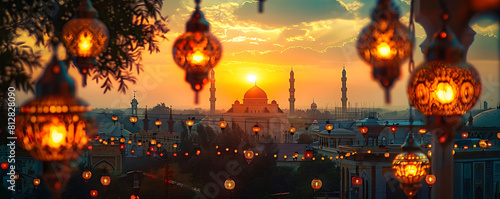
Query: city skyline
{"points": [[268, 45]]}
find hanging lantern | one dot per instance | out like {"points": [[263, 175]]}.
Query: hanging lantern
{"points": [[122, 147], [105, 180], [328, 127], [363, 129], [197, 51], [316, 184], [489, 144], [356, 181], [308, 154], [198, 152], [85, 37], [384, 44], [122, 139], [393, 128], [153, 141], [36, 182], [51, 126], [256, 129], [229, 184], [292, 130], [129, 142], [248, 155], [190, 122], [133, 196], [132, 151], [444, 85], [86, 175], [430, 179], [114, 118], [410, 167], [93, 193], [422, 131], [139, 143], [465, 135], [222, 124], [483, 144], [133, 120], [158, 123], [158, 145], [174, 145], [498, 135], [387, 154]]}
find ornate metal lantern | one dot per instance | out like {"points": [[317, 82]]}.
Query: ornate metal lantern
{"points": [[328, 127], [197, 51], [384, 44], [158, 123], [248, 155], [256, 129], [133, 120], [114, 118], [86, 175], [422, 131], [94, 193], [85, 37], [36, 182], [50, 126], [444, 85], [430, 179], [105, 180], [222, 124], [410, 167], [363, 129], [393, 128], [190, 122], [357, 181]]}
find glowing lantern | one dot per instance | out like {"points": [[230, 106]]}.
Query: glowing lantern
{"points": [[422, 131], [93, 193], [112, 143], [466, 147], [198, 152], [393, 128], [429, 153], [16, 176], [363, 129], [455, 146], [444, 85], [134, 196], [256, 129], [122, 147], [222, 124], [387, 154], [89, 147], [275, 156], [51, 126], [236, 151], [112, 138], [229, 184], [158, 123], [132, 151], [122, 139], [219, 153], [348, 155], [114, 118], [385, 44], [248, 155], [328, 127], [483, 144], [256, 154], [133, 120], [85, 37], [357, 181], [86, 175], [175, 154], [430, 179], [227, 149], [174, 145], [369, 151], [498, 135], [153, 141], [139, 143], [5, 165], [292, 130], [161, 154], [465, 135], [197, 51], [36, 182], [410, 167], [158, 145], [316, 184], [105, 180], [489, 144], [190, 122], [308, 154], [129, 142]]}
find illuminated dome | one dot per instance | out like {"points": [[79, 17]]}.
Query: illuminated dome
{"points": [[255, 93], [488, 118]]}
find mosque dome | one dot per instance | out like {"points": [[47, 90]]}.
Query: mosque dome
{"points": [[255, 93], [313, 105], [488, 118], [236, 102], [274, 102]]}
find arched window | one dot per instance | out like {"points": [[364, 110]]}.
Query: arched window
{"points": [[384, 141]]}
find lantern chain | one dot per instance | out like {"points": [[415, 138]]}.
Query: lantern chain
{"points": [[411, 65], [197, 2]]}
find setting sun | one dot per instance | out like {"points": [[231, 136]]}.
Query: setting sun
{"points": [[252, 78]]}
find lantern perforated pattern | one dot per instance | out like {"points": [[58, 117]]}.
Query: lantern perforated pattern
{"points": [[85, 37], [410, 169], [437, 88]]}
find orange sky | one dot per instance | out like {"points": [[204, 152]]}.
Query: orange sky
{"points": [[290, 33]]}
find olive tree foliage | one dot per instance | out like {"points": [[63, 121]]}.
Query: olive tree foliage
{"points": [[134, 26]]}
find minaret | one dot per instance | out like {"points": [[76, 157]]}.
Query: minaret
{"points": [[134, 104], [146, 120], [170, 121], [212, 93], [292, 93], [344, 91]]}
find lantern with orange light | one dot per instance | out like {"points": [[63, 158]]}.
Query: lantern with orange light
{"points": [[328, 127], [363, 129], [51, 126], [197, 51], [85, 37], [422, 131], [292, 130], [248, 155], [316, 184], [256, 129], [133, 120], [387, 154], [393, 128], [410, 167], [122, 139], [430, 179], [105, 180], [308, 154], [229, 184], [36, 182], [93, 193], [384, 44], [483, 144], [190, 122], [86, 175], [158, 123], [222, 124], [465, 135], [356, 181], [114, 118]]}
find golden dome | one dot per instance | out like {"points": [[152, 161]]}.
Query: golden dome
{"points": [[255, 93]]}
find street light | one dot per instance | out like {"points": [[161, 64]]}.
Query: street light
{"points": [[85, 37], [410, 167], [197, 51], [384, 44], [363, 129]]}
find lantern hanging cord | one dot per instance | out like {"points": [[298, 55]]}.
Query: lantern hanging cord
{"points": [[411, 64], [445, 15], [197, 2]]}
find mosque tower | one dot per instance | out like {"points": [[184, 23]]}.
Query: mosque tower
{"points": [[146, 120], [344, 91], [212, 93], [134, 104], [292, 93]]}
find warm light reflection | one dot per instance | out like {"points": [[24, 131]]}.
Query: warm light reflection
{"points": [[384, 50], [85, 42], [57, 133], [197, 57], [252, 78], [410, 170], [445, 92]]}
